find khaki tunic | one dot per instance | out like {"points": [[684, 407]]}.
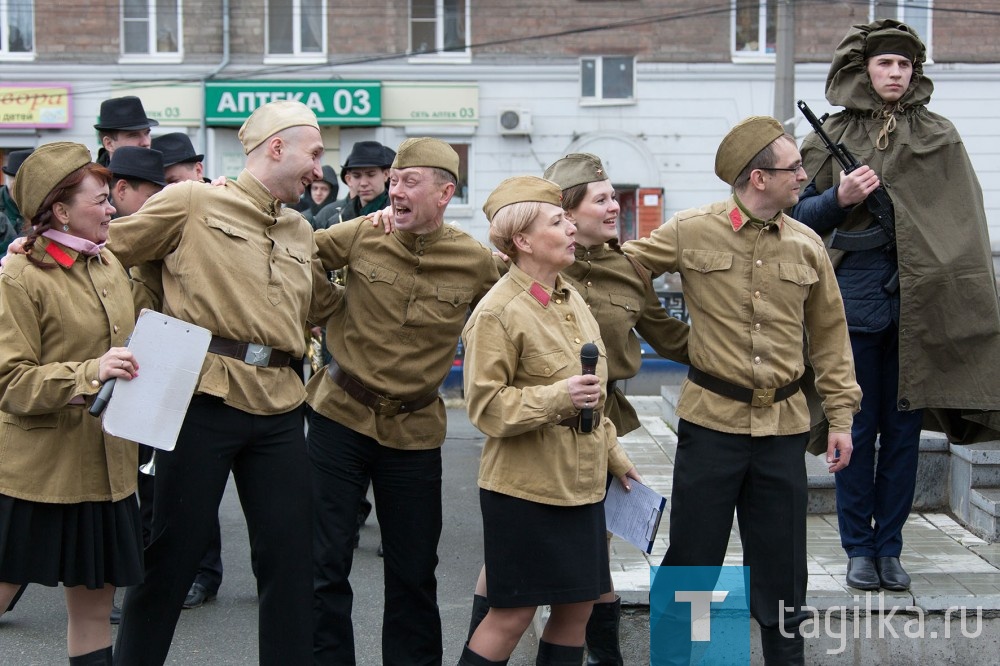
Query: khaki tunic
{"points": [[522, 344], [623, 302], [406, 300], [753, 292], [239, 263], [58, 323]]}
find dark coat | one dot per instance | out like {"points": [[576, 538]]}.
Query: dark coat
{"points": [[949, 318]]}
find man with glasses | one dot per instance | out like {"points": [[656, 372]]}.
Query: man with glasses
{"points": [[756, 283]]}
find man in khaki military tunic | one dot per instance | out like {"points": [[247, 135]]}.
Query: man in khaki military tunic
{"points": [[377, 412], [237, 261], [756, 281]]}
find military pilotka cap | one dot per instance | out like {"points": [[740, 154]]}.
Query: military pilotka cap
{"points": [[896, 40], [742, 144], [273, 117], [518, 189], [43, 170], [176, 148], [14, 160], [123, 113], [137, 162], [426, 152], [576, 169]]}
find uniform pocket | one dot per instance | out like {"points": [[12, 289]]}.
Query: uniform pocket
{"points": [[545, 365], [456, 296], [226, 228], [32, 422], [800, 274], [374, 272], [627, 303], [706, 261]]}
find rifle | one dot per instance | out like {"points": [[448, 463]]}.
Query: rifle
{"points": [[878, 203]]}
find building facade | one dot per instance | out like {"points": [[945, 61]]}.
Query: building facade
{"points": [[649, 85]]}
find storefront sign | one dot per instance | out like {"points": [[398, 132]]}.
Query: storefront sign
{"points": [[430, 103], [333, 102], [35, 105], [172, 104]]}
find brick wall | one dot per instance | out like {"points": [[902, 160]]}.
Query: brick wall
{"points": [[652, 30]]}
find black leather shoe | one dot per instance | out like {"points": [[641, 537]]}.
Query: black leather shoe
{"points": [[891, 574], [197, 596], [861, 573], [116, 614]]}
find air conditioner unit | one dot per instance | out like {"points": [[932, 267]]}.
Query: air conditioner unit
{"points": [[513, 122]]}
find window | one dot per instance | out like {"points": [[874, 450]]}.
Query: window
{"points": [[439, 28], [754, 28], [461, 197], [151, 27], [607, 79], [914, 13], [296, 28], [17, 28]]}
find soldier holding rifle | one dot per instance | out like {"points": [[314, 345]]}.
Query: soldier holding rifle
{"points": [[908, 234]]}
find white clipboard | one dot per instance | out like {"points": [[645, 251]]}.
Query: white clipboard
{"points": [[151, 408]]}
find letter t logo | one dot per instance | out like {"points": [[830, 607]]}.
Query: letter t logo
{"points": [[701, 610]]}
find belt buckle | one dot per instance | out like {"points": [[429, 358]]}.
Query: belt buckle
{"points": [[387, 406], [259, 355], [762, 398]]}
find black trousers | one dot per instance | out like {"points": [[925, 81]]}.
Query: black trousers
{"points": [[268, 460], [875, 492], [407, 489], [764, 480]]}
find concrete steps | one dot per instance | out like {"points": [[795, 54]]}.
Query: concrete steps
{"points": [[975, 487]]}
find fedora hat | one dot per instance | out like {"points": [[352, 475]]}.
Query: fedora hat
{"points": [[368, 154], [176, 148], [137, 162], [14, 160], [123, 113]]}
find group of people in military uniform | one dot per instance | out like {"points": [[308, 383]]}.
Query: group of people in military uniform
{"points": [[237, 259]]}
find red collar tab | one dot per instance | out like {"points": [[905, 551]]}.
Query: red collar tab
{"points": [[59, 255], [542, 296], [736, 218]]}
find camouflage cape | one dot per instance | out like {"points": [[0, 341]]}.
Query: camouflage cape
{"points": [[949, 328]]}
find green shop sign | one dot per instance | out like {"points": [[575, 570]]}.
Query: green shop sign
{"points": [[334, 102]]}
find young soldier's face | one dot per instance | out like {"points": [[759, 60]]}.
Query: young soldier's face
{"points": [[890, 75]]}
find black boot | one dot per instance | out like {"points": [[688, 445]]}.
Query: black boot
{"points": [[470, 658], [780, 650], [100, 657], [13, 601], [602, 635], [480, 607], [550, 654]]}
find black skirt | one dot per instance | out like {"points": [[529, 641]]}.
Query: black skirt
{"points": [[542, 554], [89, 543]]}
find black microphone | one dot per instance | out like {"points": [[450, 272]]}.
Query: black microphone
{"points": [[588, 361], [101, 401]]}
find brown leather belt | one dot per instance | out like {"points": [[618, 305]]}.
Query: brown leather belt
{"points": [[754, 397], [380, 404], [250, 353], [574, 421]]}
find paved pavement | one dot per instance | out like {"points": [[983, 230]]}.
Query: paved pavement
{"points": [[950, 566]]}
